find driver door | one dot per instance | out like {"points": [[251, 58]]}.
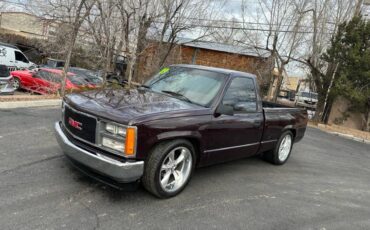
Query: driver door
{"points": [[236, 136]]}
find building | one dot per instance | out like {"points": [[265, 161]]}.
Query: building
{"points": [[209, 54], [26, 25]]}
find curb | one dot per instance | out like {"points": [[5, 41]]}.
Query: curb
{"points": [[30, 104], [351, 137]]}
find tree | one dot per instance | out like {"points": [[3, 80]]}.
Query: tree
{"points": [[70, 15], [105, 27], [327, 15], [350, 49], [277, 29]]}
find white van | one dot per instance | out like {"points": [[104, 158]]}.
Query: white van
{"points": [[13, 58]]}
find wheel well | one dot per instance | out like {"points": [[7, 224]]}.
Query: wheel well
{"points": [[196, 144], [194, 141], [293, 131]]}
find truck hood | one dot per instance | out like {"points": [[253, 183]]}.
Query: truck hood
{"points": [[131, 106]]}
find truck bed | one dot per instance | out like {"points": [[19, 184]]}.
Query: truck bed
{"points": [[279, 118]]}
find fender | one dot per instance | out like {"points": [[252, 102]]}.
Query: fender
{"points": [[289, 127], [186, 135], [178, 134]]}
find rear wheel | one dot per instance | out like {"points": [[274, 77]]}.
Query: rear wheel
{"points": [[169, 168], [280, 154]]}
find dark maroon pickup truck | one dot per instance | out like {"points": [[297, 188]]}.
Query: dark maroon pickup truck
{"points": [[186, 116]]}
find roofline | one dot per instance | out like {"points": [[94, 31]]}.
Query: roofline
{"points": [[25, 13], [217, 69], [221, 51]]}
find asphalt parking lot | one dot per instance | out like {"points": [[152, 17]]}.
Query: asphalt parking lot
{"points": [[324, 185]]}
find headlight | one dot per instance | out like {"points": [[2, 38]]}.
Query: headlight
{"points": [[128, 134], [113, 144], [114, 129]]}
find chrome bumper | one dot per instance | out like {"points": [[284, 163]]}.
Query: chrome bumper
{"points": [[119, 171]]}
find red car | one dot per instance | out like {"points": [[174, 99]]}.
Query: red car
{"points": [[46, 81]]}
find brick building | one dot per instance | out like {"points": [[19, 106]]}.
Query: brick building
{"points": [[209, 54]]}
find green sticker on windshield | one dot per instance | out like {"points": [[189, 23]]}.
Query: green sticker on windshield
{"points": [[164, 70]]}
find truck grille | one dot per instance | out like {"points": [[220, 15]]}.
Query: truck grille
{"points": [[79, 124], [310, 102]]}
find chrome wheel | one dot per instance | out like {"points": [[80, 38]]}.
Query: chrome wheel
{"points": [[16, 84], [175, 169], [284, 148]]}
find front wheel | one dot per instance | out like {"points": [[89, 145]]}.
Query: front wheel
{"points": [[280, 154], [169, 168], [16, 83]]}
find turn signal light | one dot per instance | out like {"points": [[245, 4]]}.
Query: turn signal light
{"points": [[130, 141]]}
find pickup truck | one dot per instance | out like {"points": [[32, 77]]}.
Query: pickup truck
{"points": [[184, 117]]}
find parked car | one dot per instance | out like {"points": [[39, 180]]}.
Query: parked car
{"points": [[306, 100], [90, 76], [54, 63], [6, 81], [13, 58], [46, 81], [186, 116]]}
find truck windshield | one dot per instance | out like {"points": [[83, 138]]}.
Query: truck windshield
{"points": [[193, 85], [309, 95]]}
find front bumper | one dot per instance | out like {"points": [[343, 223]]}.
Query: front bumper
{"points": [[124, 172], [306, 105], [5, 86]]}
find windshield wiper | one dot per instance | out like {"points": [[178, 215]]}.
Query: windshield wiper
{"points": [[177, 95]]}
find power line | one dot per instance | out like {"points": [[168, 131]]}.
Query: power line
{"points": [[212, 21]]}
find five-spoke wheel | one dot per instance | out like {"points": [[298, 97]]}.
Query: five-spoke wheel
{"points": [[169, 167], [175, 169]]}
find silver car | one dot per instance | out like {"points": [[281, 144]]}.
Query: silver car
{"points": [[6, 81]]}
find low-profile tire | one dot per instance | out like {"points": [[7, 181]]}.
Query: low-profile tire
{"points": [[280, 154], [169, 168]]}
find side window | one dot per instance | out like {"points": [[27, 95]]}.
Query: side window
{"points": [[241, 95], [20, 57]]}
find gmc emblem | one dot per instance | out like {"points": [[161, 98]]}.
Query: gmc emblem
{"points": [[75, 124]]}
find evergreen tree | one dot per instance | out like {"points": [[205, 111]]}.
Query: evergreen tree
{"points": [[350, 48]]}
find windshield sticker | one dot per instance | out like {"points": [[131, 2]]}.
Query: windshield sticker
{"points": [[164, 70]]}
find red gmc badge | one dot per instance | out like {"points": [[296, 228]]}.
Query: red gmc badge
{"points": [[75, 124]]}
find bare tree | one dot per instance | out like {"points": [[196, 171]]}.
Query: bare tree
{"points": [[105, 26], [175, 18], [158, 21], [70, 14], [226, 32], [277, 28]]}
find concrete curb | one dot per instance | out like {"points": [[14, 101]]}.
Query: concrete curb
{"points": [[29, 104], [351, 137]]}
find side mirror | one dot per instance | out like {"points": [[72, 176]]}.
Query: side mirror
{"points": [[225, 109]]}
